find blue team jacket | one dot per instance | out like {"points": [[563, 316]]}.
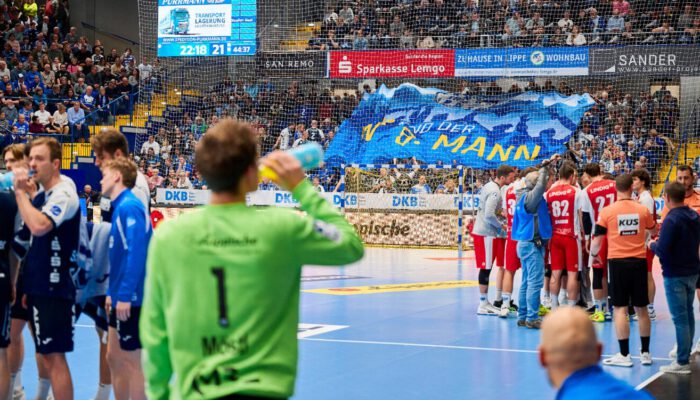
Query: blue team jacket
{"points": [[128, 244], [524, 222]]}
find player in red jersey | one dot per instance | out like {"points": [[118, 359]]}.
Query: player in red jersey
{"points": [[563, 200], [598, 195]]}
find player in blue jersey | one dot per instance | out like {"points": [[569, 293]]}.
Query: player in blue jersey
{"points": [[55, 228], [128, 244], [16, 156], [107, 145]]}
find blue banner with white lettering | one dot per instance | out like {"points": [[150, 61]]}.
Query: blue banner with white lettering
{"points": [[526, 61], [437, 126]]}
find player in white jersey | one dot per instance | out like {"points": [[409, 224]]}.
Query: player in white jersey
{"points": [[641, 181], [107, 145]]}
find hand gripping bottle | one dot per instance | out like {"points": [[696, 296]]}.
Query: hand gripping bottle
{"points": [[309, 155]]}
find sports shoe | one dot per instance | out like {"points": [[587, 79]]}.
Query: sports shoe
{"points": [[543, 311], [675, 368], [536, 324], [547, 302], [513, 307], [646, 358], [18, 394], [487, 309], [498, 303], [504, 311], [673, 353], [591, 310], [608, 316], [521, 322], [618, 360], [597, 316]]}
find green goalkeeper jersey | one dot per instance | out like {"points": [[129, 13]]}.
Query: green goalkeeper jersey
{"points": [[221, 302]]}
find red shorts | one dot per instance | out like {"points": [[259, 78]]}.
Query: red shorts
{"points": [[565, 253], [512, 259], [603, 254], [499, 247], [650, 260], [486, 250]]}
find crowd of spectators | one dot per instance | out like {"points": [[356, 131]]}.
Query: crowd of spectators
{"points": [[383, 24], [53, 81]]}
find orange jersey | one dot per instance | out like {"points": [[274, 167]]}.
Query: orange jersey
{"points": [[692, 201], [626, 223], [563, 203]]}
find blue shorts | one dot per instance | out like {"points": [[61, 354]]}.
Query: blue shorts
{"points": [[128, 331], [53, 323]]}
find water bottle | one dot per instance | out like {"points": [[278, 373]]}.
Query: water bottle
{"points": [[6, 181], [309, 155]]}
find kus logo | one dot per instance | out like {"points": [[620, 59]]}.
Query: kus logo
{"points": [[345, 66], [407, 201]]}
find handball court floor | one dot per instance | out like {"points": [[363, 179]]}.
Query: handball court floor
{"points": [[418, 339]]}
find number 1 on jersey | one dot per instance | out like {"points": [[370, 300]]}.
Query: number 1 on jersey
{"points": [[218, 273]]}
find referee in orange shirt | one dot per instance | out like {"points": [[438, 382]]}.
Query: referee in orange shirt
{"points": [[625, 224]]}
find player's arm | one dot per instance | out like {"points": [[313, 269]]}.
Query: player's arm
{"points": [[34, 219], [651, 224], [490, 208], [601, 230], [533, 197], [132, 221], [157, 365], [324, 237]]}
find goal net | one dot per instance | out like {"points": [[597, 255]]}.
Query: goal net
{"points": [[404, 95]]}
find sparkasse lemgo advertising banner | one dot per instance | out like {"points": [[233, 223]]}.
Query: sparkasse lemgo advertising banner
{"points": [[392, 64]]}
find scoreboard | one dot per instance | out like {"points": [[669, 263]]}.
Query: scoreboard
{"points": [[195, 28]]}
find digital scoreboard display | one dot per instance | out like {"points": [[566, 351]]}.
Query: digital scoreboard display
{"points": [[196, 28]]}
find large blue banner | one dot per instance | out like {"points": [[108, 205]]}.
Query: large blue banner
{"points": [[530, 61], [436, 126]]}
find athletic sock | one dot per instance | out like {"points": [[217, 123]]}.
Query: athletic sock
{"points": [[103, 392], [18, 379], [571, 303], [506, 300], [499, 294], [624, 347], [43, 389], [599, 305], [555, 302], [645, 343], [483, 299], [650, 306], [13, 377], [563, 295], [546, 294]]}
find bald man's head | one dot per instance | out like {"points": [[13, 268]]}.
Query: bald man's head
{"points": [[568, 343]]}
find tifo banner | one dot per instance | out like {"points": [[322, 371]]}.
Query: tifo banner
{"points": [[532, 61], [392, 64], [310, 63], [436, 126], [644, 60]]}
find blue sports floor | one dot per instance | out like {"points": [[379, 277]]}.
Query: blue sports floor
{"points": [[412, 344]]}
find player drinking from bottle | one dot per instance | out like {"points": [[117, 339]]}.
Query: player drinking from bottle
{"points": [[221, 303]]}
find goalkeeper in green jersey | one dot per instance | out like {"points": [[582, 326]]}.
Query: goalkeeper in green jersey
{"points": [[221, 302]]}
